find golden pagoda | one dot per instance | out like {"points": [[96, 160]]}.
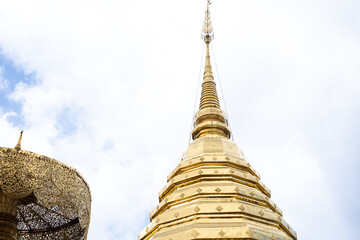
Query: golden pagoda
{"points": [[41, 198], [214, 193]]}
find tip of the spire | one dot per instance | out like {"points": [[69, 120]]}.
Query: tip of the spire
{"points": [[207, 32], [18, 145]]}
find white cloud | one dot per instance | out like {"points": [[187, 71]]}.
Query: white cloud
{"points": [[115, 86]]}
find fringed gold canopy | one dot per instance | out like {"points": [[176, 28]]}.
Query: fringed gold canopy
{"points": [[41, 198]]}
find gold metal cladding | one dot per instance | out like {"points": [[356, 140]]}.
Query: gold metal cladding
{"points": [[51, 199], [215, 189]]}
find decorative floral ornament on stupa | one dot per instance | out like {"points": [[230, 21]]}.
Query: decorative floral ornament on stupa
{"points": [[41, 198]]}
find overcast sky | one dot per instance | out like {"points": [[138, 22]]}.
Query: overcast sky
{"points": [[109, 88]]}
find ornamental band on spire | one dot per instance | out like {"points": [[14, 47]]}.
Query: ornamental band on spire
{"points": [[207, 32]]}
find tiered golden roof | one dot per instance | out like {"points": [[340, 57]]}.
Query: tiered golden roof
{"points": [[214, 193]]}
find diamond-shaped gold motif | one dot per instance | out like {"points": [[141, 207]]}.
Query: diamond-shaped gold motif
{"points": [[237, 189], [182, 195], [200, 171], [195, 233], [217, 190], [196, 209], [214, 158], [216, 171], [176, 215], [242, 208], [227, 158], [199, 190], [219, 208], [157, 220], [231, 171], [261, 213], [252, 194], [202, 158], [221, 233]]}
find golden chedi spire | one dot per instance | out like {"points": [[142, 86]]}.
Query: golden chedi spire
{"points": [[214, 193], [210, 120]]}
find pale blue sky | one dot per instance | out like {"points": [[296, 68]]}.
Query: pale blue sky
{"points": [[109, 88], [10, 75]]}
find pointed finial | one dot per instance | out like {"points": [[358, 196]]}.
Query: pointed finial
{"points": [[18, 145], [207, 32]]}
